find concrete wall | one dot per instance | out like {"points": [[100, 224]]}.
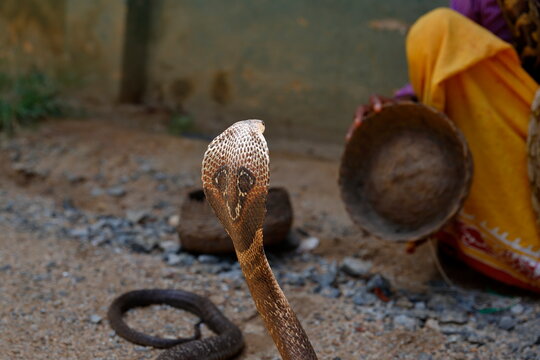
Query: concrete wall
{"points": [[77, 41], [302, 66]]}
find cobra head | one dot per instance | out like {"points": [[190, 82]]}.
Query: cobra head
{"points": [[235, 180]]}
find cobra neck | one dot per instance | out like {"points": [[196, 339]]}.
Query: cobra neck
{"points": [[279, 318]]}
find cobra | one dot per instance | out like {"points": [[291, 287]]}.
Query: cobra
{"points": [[235, 177]]}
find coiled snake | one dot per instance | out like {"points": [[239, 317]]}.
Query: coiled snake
{"points": [[235, 176]]}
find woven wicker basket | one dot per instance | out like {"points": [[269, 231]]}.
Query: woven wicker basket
{"points": [[405, 172]]}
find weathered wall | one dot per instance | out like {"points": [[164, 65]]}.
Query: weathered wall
{"points": [[78, 41], [302, 65]]}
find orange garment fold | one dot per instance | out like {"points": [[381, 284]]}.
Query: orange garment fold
{"points": [[476, 78]]}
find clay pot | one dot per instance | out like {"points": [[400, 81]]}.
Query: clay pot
{"points": [[201, 232]]}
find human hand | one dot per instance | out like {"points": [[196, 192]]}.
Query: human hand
{"points": [[375, 105]]}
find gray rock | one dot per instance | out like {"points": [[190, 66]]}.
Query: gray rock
{"points": [[356, 267], [517, 309], [453, 317], [162, 187], [325, 280], [80, 232], [186, 259], [137, 216], [364, 298], [159, 176], [208, 259], [379, 282], [405, 321], [97, 191], [170, 246], [172, 259], [95, 319], [116, 191], [507, 323], [294, 279], [330, 292], [142, 244]]}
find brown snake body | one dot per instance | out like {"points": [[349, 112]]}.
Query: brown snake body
{"points": [[235, 176]]}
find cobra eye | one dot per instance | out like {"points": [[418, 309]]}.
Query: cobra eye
{"points": [[246, 180], [220, 178]]}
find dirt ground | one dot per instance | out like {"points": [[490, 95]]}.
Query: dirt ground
{"points": [[54, 291]]}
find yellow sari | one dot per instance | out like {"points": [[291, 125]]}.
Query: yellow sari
{"points": [[476, 78]]}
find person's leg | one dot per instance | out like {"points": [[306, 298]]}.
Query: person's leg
{"points": [[476, 79]]}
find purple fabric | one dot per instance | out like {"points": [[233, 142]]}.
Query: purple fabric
{"points": [[485, 13]]}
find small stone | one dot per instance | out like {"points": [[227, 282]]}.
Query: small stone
{"points": [[454, 338], [405, 321], [453, 317], [404, 303], [432, 324], [74, 178], [174, 220], [146, 168], [507, 322], [142, 245], [329, 292], [79, 232], [208, 259], [420, 305], [186, 259], [364, 298], [116, 191], [424, 356], [173, 259], [162, 187], [97, 191], [474, 338], [308, 244], [326, 279], [169, 246], [355, 267], [294, 279], [517, 309], [159, 176], [137, 216], [95, 319], [379, 282]]}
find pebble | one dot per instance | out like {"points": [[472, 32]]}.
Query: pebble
{"points": [[97, 191], [95, 319], [405, 321], [326, 279], [355, 267], [169, 246], [507, 322], [329, 292], [294, 279], [453, 317], [208, 259], [137, 216], [116, 191], [364, 298], [378, 281], [517, 309], [173, 259]]}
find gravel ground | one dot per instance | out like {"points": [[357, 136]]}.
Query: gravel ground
{"points": [[88, 211]]}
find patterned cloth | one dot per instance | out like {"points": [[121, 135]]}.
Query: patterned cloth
{"points": [[473, 76]]}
